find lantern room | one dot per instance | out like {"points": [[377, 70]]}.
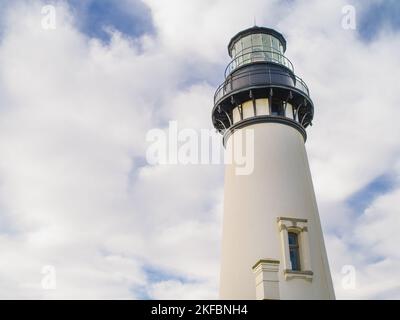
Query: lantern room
{"points": [[260, 85]]}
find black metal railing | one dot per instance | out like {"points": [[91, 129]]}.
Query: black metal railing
{"points": [[260, 76], [258, 56]]}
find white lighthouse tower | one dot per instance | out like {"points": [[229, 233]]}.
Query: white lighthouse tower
{"points": [[272, 246]]}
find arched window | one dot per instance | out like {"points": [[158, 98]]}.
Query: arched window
{"points": [[294, 251]]}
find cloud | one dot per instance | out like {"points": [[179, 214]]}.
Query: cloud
{"points": [[164, 290], [75, 117], [370, 246], [76, 193], [72, 193]]}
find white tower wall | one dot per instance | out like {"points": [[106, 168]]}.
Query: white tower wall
{"points": [[279, 187]]}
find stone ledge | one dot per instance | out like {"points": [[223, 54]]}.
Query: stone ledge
{"points": [[270, 261], [292, 274], [291, 219]]}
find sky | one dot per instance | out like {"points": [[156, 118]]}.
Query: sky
{"points": [[77, 196]]}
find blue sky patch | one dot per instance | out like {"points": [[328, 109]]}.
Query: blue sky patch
{"points": [[132, 18], [157, 275], [360, 200], [377, 16]]}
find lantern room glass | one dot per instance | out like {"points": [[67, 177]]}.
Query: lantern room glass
{"points": [[258, 47]]}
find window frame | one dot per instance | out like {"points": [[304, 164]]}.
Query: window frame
{"points": [[299, 226], [278, 104], [296, 248]]}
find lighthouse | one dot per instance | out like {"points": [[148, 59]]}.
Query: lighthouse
{"points": [[272, 241]]}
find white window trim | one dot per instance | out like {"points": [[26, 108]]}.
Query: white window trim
{"points": [[299, 226]]}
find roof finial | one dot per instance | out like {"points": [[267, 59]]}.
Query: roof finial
{"points": [[255, 21]]}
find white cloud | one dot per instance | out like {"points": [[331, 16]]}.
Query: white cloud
{"points": [[164, 290], [73, 118]]}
